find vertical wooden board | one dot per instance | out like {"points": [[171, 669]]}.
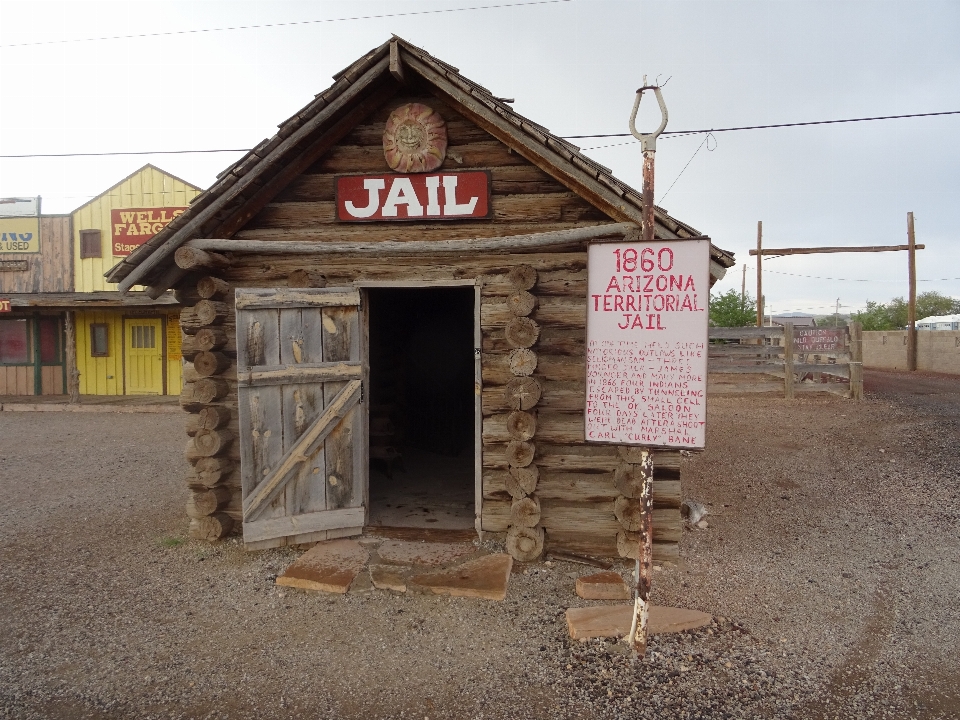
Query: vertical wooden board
{"points": [[301, 342], [343, 447], [260, 408]]}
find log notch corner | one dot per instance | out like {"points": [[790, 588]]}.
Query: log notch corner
{"points": [[524, 534], [209, 394]]}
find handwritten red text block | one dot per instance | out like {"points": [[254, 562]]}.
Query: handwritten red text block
{"points": [[647, 343]]}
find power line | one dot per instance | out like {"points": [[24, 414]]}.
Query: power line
{"points": [[567, 137], [284, 24], [710, 149], [137, 152], [869, 280], [766, 127]]}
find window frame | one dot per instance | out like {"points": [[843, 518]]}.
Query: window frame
{"points": [[28, 324], [94, 327], [87, 243]]}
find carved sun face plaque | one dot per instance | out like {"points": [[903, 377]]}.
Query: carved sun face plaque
{"points": [[415, 139]]}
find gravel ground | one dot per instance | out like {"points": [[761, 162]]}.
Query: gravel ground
{"points": [[831, 562]]}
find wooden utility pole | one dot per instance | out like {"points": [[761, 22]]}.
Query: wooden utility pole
{"points": [[912, 304], [759, 254]]}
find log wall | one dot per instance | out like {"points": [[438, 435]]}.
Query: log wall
{"points": [[533, 325]]}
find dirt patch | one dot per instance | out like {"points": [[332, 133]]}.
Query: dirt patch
{"points": [[831, 561]]}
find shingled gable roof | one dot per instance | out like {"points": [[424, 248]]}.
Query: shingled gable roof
{"points": [[250, 183]]}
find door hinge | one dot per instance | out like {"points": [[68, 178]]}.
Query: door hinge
{"points": [[361, 394]]}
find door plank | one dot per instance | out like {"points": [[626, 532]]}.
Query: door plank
{"points": [[302, 524], [258, 298], [302, 404], [341, 342], [329, 420], [292, 374], [260, 409]]}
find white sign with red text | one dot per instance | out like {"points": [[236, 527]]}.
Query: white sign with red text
{"points": [[647, 343]]}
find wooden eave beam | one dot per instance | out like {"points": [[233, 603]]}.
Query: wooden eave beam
{"points": [[545, 158], [512, 243], [815, 250], [162, 253]]}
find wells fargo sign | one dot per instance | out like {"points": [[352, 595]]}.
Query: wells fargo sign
{"points": [[443, 196], [20, 235], [132, 227]]}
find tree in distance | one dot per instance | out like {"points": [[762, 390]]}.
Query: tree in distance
{"points": [[730, 309], [893, 315]]}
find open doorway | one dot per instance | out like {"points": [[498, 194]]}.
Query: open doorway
{"points": [[422, 402]]}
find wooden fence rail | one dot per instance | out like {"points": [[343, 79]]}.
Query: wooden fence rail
{"points": [[786, 360]]}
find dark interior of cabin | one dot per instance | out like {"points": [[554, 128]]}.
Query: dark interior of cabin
{"points": [[421, 407]]}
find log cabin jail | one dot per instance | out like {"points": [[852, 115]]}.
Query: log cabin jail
{"points": [[405, 365]]}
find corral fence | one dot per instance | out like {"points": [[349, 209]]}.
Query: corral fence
{"points": [[786, 360]]}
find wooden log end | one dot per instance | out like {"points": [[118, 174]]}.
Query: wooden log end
{"points": [[522, 332], [521, 482], [209, 443], [629, 479], [520, 453], [522, 393], [521, 425], [525, 544], [212, 527], [523, 361], [189, 258], [629, 512], [209, 339], [208, 363], [525, 512], [212, 288], [522, 303], [522, 277]]}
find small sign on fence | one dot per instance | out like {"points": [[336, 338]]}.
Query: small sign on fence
{"points": [[647, 343], [814, 339]]}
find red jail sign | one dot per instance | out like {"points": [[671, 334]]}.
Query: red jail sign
{"points": [[426, 196]]}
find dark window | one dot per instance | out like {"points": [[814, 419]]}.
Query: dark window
{"points": [[90, 246], [98, 340], [14, 342], [50, 340]]}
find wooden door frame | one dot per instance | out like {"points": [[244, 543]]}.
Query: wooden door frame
{"points": [[163, 348], [476, 284]]}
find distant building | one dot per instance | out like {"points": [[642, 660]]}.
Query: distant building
{"points": [[798, 320], [939, 322], [59, 316]]}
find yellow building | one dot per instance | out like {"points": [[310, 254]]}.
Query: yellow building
{"points": [[127, 350]]}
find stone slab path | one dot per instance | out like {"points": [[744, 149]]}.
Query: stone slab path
{"points": [[615, 620], [361, 565]]}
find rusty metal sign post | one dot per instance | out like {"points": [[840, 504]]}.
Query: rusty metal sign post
{"points": [[637, 636]]}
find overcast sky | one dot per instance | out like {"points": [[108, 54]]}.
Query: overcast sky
{"points": [[572, 66]]}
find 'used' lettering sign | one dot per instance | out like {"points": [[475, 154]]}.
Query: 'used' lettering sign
{"points": [[427, 196]]}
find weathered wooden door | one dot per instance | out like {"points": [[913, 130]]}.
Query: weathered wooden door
{"points": [[143, 356], [299, 375]]}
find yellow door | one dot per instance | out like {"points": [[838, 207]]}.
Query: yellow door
{"points": [[143, 356]]}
